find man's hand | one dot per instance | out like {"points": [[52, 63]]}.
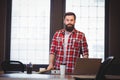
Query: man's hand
{"points": [[85, 56], [50, 67]]}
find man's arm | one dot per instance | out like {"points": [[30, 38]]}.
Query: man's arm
{"points": [[51, 62], [52, 53], [84, 47]]}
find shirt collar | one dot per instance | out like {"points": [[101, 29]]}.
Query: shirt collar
{"points": [[63, 31]]}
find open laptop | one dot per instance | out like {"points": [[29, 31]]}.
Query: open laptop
{"points": [[87, 66]]}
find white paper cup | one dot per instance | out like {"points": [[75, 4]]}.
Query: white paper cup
{"points": [[62, 69]]}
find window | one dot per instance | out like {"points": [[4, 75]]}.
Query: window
{"points": [[90, 20], [30, 30], [30, 27]]}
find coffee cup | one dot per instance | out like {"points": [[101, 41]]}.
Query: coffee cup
{"points": [[62, 69]]}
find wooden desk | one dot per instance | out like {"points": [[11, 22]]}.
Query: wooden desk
{"points": [[23, 76], [34, 76], [112, 77], [92, 77]]}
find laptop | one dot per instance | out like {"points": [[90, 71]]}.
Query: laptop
{"points": [[87, 66]]}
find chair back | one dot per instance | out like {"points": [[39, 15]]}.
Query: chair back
{"points": [[107, 68], [114, 68], [12, 66]]}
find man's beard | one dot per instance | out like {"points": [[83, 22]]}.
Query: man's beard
{"points": [[69, 29]]}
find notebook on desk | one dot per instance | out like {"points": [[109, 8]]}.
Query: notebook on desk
{"points": [[87, 66]]}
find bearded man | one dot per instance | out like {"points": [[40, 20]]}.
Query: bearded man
{"points": [[67, 45]]}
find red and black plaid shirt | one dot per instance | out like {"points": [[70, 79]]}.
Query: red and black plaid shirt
{"points": [[76, 45]]}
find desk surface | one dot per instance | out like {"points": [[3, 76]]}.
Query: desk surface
{"points": [[84, 76], [23, 76], [112, 77], [92, 77], [34, 76]]}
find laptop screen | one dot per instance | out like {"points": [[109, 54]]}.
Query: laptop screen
{"points": [[87, 66]]}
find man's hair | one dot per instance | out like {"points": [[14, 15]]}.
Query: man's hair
{"points": [[69, 13]]}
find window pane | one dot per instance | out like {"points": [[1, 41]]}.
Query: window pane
{"points": [[30, 31], [90, 20]]}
